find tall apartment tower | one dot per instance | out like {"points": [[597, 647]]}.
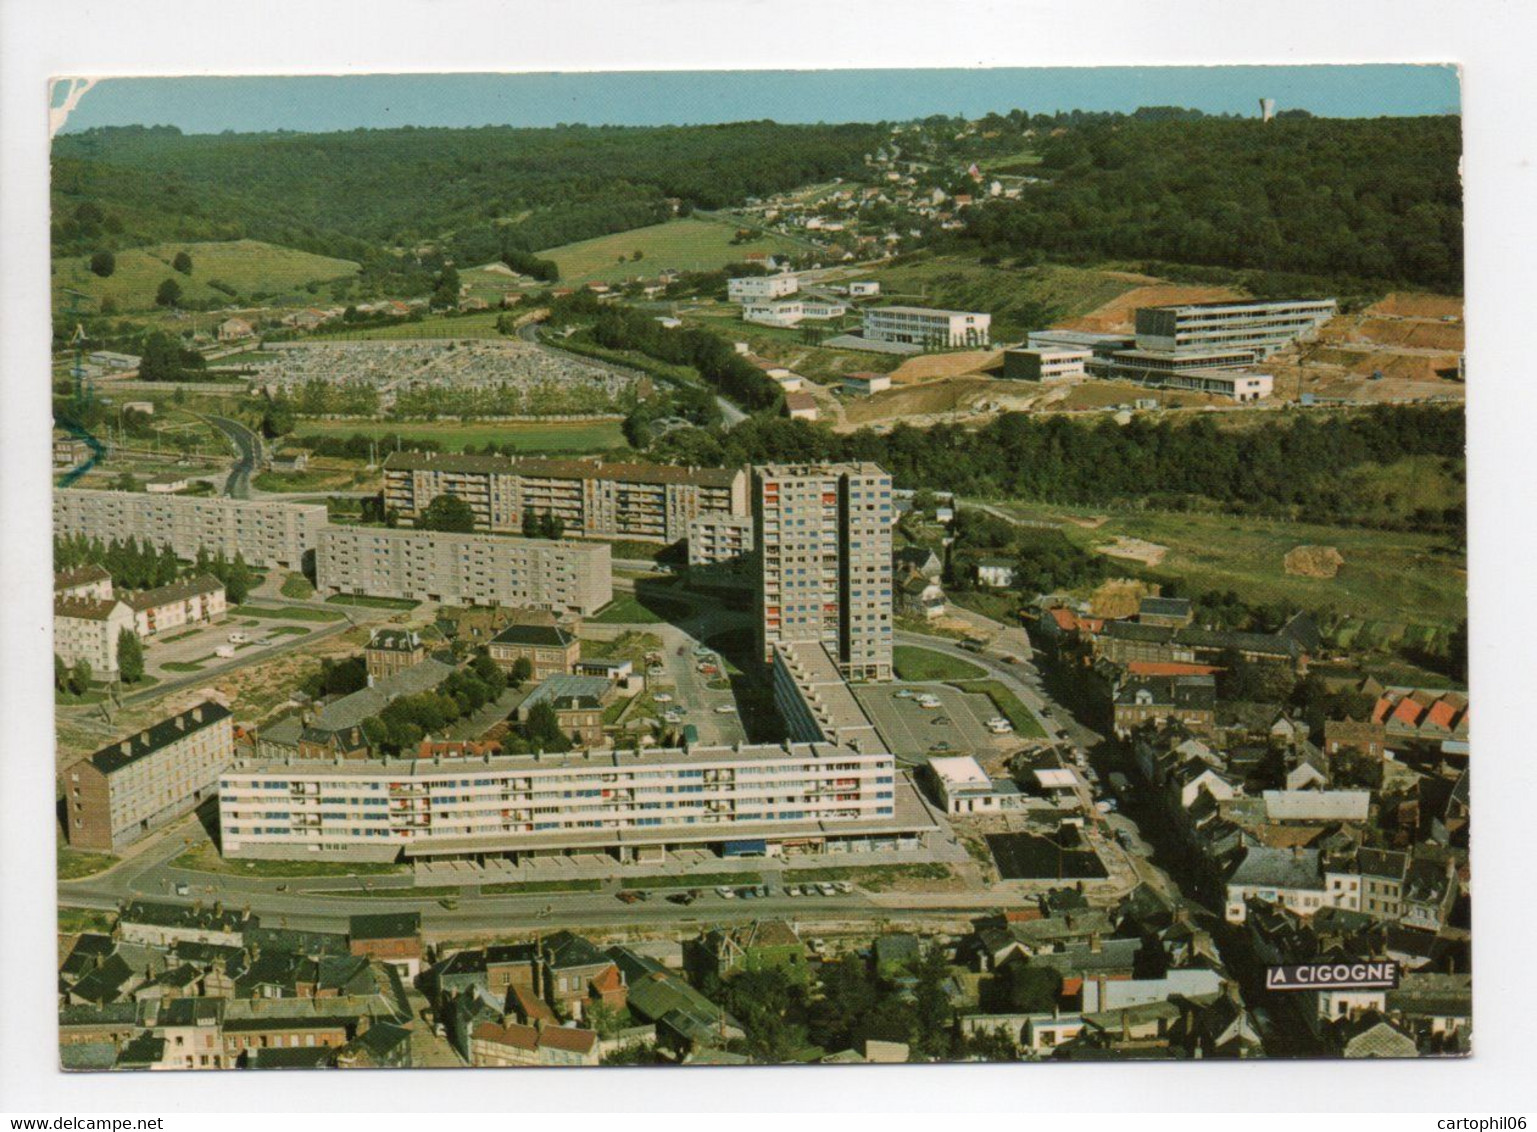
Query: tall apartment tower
{"points": [[823, 539]]}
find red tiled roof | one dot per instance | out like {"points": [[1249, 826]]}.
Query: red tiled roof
{"points": [[568, 1038], [513, 1034], [1170, 668], [1408, 711], [530, 1005], [1441, 714], [609, 980]]}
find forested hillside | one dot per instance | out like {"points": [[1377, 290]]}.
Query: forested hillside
{"points": [[1372, 200], [478, 191]]}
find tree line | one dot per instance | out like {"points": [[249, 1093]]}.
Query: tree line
{"points": [[1288, 468], [496, 189], [1344, 199]]}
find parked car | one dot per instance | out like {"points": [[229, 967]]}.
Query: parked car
{"points": [[904, 693], [826, 889], [662, 697], [628, 897], [681, 898], [844, 886], [940, 746], [726, 893], [725, 709]]}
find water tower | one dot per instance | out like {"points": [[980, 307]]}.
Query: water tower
{"points": [[1266, 109]]}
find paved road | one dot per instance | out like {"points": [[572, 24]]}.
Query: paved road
{"points": [[248, 449]]}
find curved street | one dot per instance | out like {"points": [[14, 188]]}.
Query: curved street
{"points": [[248, 454]]}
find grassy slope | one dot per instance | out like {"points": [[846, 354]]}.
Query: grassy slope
{"points": [[247, 265], [914, 663], [1010, 294], [1388, 575], [574, 436], [479, 325], [686, 245]]}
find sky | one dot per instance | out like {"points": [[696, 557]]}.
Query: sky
{"points": [[323, 103]]}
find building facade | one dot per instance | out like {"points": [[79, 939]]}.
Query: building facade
{"points": [[264, 533], [187, 602], [87, 628], [719, 540], [549, 649], [464, 569], [764, 799], [1038, 364], [390, 651], [646, 502], [127, 789], [759, 287], [933, 329], [823, 534], [1264, 326]]}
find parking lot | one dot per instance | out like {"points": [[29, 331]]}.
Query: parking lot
{"points": [[912, 732], [195, 647]]}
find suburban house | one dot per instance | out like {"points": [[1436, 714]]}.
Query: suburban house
{"points": [[550, 649], [392, 650]]}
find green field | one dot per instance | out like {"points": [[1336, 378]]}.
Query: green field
{"points": [[298, 587], [288, 612], [914, 663], [367, 601], [479, 325], [1020, 299], [627, 609], [75, 864], [1390, 576], [249, 266], [683, 245], [205, 858], [556, 436]]}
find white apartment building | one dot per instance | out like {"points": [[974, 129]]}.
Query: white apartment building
{"points": [[186, 602], [823, 538], [265, 533], [770, 800], [774, 312], [1033, 364], [87, 628], [86, 581], [760, 287], [1264, 326], [646, 502], [464, 569], [716, 539], [141, 782], [931, 329]]}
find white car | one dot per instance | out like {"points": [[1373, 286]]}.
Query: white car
{"points": [[238, 638], [928, 703], [663, 697], [826, 889], [726, 893], [725, 709], [999, 726], [904, 693]]}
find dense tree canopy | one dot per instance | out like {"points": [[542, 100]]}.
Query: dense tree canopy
{"points": [[1292, 464], [1366, 199], [494, 189]]}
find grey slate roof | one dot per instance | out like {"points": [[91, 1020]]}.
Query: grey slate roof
{"points": [[1278, 868], [146, 742]]}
